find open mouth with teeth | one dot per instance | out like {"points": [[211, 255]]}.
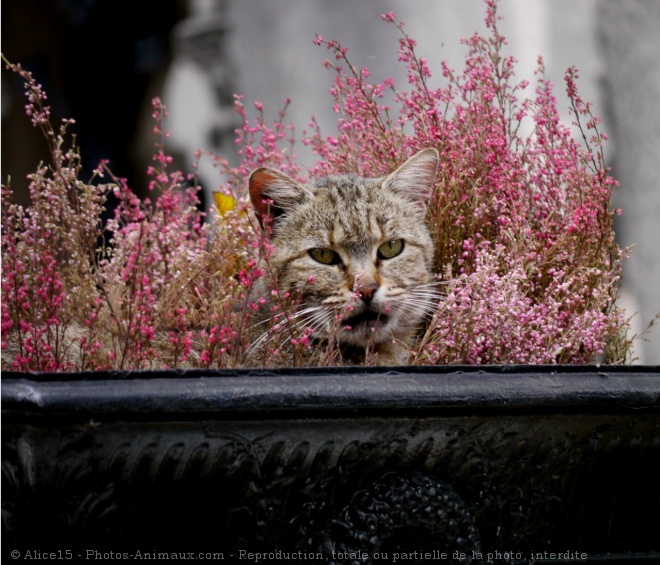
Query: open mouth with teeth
{"points": [[365, 317]]}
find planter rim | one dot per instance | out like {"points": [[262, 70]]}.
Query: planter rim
{"points": [[334, 392]]}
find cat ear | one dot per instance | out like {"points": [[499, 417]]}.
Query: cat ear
{"points": [[272, 193], [415, 179]]}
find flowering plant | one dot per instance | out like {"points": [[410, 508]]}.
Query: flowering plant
{"points": [[525, 248]]}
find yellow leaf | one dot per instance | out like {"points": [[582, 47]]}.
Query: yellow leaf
{"points": [[223, 202]]}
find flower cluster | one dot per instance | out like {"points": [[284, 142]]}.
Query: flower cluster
{"points": [[153, 286], [521, 221], [525, 248]]}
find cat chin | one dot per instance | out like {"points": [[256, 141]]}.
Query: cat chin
{"points": [[373, 327], [361, 335], [368, 318], [366, 329]]}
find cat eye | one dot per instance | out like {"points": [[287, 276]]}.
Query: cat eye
{"points": [[325, 256], [390, 249]]}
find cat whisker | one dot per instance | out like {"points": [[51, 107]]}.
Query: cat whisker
{"points": [[321, 319], [426, 295], [298, 320], [418, 307], [428, 300], [428, 287], [292, 316], [257, 343]]}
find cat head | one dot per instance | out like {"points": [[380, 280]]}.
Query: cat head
{"points": [[357, 248]]}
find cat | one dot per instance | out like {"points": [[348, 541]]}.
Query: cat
{"points": [[359, 252]]}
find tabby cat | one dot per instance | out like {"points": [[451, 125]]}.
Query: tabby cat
{"points": [[359, 251]]}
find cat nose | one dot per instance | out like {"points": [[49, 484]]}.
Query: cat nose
{"points": [[367, 291]]}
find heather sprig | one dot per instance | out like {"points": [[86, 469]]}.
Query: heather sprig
{"points": [[144, 290], [49, 249]]}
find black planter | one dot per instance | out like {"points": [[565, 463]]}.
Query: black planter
{"points": [[435, 464]]}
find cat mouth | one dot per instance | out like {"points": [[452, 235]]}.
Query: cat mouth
{"points": [[365, 317]]}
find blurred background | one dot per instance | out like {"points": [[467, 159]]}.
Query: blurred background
{"points": [[101, 62]]}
